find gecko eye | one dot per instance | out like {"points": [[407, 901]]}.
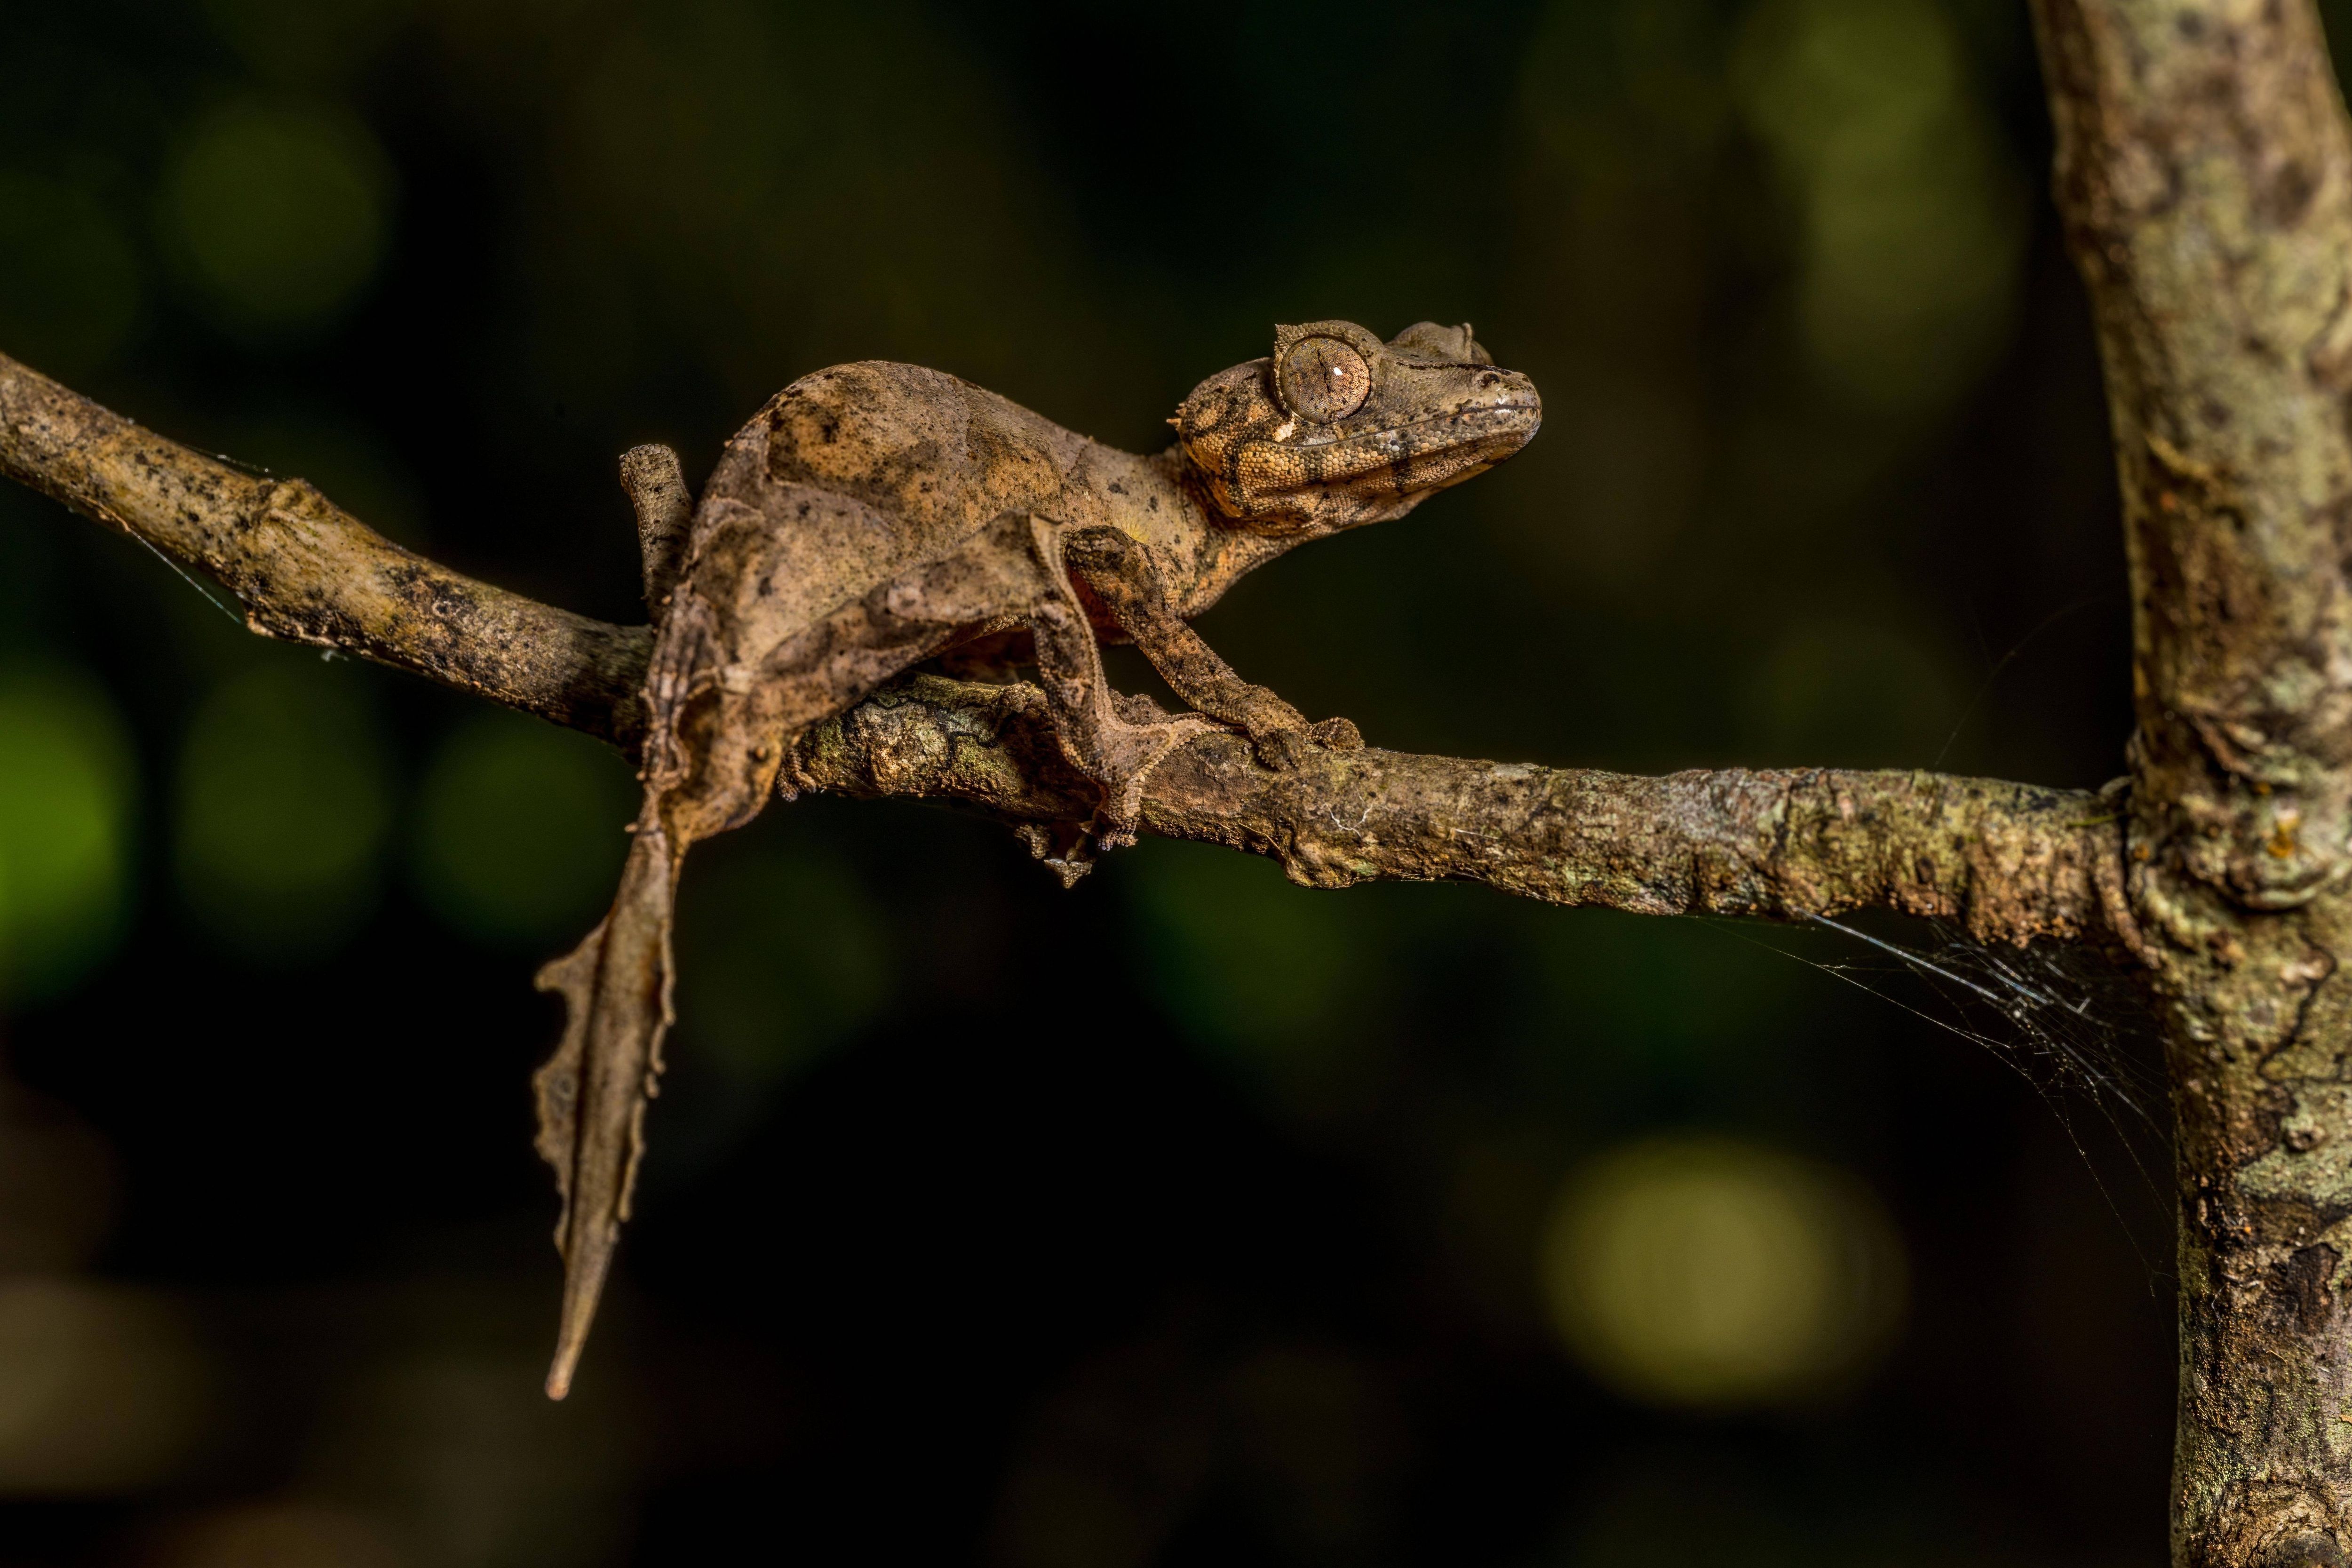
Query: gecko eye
{"points": [[1323, 379]]}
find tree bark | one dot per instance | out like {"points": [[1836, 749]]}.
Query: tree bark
{"points": [[2205, 177], [2009, 862]]}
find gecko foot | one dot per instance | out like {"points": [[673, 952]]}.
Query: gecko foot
{"points": [[1065, 847], [1137, 750], [1338, 735]]}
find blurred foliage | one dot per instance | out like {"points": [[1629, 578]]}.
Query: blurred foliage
{"points": [[103, 1389], [60, 1187], [288, 42], [1269, 974], [277, 1535], [519, 835], [69, 278], [1912, 215], [279, 211], [283, 809], [1852, 694], [67, 796], [345, 458]]}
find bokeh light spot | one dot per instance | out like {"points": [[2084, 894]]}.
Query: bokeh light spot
{"points": [[519, 835], [65, 795], [1709, 1273], [103, 1389], [284, 803], [1915, 222], [281, 212]]}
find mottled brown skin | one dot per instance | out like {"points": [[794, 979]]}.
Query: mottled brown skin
{"points": [[874, 516]]}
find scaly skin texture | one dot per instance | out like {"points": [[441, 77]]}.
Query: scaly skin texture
{"points": [[872, 516], [2205, 171]]}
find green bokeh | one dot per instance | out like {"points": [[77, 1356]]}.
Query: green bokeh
{"points": [[1266, 973], [1914, 217], [518, 829], [284, 801], [281, 212], [781, 956], [66, 792]]}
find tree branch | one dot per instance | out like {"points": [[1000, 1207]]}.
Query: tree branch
{"points": [[307, 570], [2011, 861]]}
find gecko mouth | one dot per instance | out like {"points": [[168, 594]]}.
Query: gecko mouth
{"points": [[1374, 474], [1529, 409], [1424, 454]]}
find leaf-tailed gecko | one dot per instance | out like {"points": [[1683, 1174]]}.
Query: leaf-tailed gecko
{"points": [[872, 516]]}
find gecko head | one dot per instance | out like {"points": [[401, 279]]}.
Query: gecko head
{"points": [[1337, 428]]}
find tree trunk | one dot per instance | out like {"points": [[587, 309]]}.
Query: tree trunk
{"points": [[2205, 175]]}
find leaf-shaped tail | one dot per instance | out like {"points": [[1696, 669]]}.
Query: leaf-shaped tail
{"points": [[592, 1092]]}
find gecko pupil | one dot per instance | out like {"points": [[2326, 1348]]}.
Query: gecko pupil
{"points": [[1323, 379]]}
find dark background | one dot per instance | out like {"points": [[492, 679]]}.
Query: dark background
{"points": [[1184, 1218]]}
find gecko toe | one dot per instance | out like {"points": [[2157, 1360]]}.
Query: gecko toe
{"points": [[1338, 735], [1283, 750]]}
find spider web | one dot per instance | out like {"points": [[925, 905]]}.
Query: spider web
{"points": [[2073, 1027]]}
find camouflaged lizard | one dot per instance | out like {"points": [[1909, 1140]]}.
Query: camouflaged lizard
{"points": [[874, 516]]}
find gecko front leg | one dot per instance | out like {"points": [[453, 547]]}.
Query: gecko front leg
{"points": [[1116, 569], [1117, 754]]}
